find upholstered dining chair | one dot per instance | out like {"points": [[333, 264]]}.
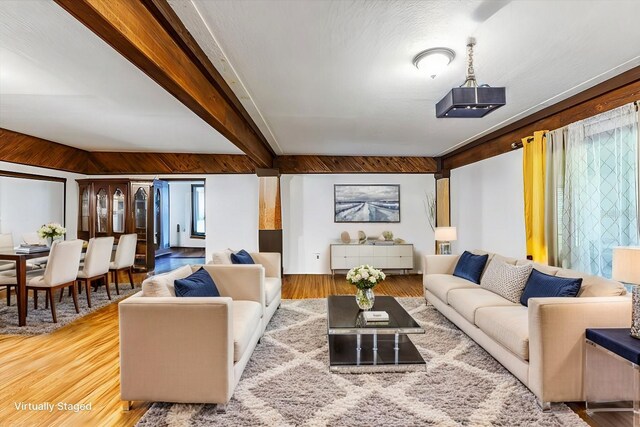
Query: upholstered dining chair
{"points": [[61, 272], [125, 258], [6, 242], [96, 265]]}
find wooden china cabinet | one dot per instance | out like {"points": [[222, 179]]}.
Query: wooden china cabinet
{"points": [[113, 207]]}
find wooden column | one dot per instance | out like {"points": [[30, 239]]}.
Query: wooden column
{"points": [[270, 212], [443, 210]]}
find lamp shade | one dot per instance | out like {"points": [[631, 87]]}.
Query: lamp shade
{"points": [[446, 234], [626, 265]]}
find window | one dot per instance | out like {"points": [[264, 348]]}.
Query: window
{"points": [[197, 210]]}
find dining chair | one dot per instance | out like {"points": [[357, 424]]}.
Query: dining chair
{"points": [[125, 258], [96, 265], [61, 272], [6, 242]]}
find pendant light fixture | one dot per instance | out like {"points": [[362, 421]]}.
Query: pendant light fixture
{"points": [[470, 99]]}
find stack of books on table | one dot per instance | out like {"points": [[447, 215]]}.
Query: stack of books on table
{"points": [[376, 317], [31, 249]]}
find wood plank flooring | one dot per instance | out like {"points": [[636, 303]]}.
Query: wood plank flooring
{"points": [[79, 362]]}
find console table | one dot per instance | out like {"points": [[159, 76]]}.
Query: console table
{"points": [[612, 372], [391, 257]]}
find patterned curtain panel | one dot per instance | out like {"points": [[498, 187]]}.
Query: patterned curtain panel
{"points": [[600, 195]]}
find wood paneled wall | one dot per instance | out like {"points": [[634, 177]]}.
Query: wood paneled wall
{"points": [[613, 93], [167, 163], [29, 150], [355, 164]]}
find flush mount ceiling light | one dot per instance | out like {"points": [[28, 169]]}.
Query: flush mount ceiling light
{"points": [[471, 100], [433, 61]]}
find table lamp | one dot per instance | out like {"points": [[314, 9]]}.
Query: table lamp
{"points": [[445, 235], [626, 269]]}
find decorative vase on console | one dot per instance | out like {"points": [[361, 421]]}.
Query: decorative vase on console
{"points": [[365, 278]]}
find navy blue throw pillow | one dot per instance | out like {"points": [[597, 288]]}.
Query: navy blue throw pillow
{"points": [[544, 285], [199, 284], [241, 257], [470, 266]]}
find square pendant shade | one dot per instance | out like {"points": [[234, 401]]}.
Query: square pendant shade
{"points": [[462, 102]]}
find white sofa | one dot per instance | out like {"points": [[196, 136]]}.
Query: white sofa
{"points": [[272, 277], [542, 344], [190, 350]]}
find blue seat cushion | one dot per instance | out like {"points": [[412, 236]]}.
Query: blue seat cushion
{"points": [[199, 284], [470, 266], [542, 285], [241, 257], [618, 341]]}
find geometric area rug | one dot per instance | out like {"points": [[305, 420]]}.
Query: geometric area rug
{"points": [[40, 321], [287, 383]]}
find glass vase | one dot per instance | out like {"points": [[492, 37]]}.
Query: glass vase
{"points": [[365, 299]]}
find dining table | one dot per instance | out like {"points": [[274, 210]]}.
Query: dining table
{"points": [[20, 258]]}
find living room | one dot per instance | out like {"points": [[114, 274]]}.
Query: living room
{"points": [[264, 212]]}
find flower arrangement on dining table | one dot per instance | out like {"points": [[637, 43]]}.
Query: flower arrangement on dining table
{"points": [[51, 231], [365, 277]]}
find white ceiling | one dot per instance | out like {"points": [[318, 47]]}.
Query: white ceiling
{"points": [[336, 77], [61, 82]]}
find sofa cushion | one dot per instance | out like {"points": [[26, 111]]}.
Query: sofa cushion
{"points": [[246, 319], [543, 268], [542, 285], [509, 326], [242, 257], [167, 280], [467, 301], [594, 286], [470, 266], [272, 287], [199, 284], [222, 257], [441, 284], [505, 279]]}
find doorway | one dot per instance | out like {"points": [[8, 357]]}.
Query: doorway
{"points": [[181, 218]]}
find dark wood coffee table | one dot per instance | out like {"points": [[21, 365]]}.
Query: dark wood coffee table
{"points": [[355, 346]]}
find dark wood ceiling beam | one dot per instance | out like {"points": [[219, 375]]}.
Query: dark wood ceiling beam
{"points": [[615, 92], [354, 164], [111, 163], [152, 38], [29, 150]]}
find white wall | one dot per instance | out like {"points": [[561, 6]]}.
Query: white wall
{"points": [[180, 213], [487, 205], [28, 205], [308, 217], [232, 212]]}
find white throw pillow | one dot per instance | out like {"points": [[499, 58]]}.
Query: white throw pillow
{"points": [[163, 284], [223, 257], [505, 279]]}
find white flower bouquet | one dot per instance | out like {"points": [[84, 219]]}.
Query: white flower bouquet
{"points": [[51, 231], [365, 276]]}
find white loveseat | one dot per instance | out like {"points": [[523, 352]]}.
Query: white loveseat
{"points": [[542, 344], [190, 350], [272, 277]]}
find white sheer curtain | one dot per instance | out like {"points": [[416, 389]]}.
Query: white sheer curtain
{"points": [[600, 195]]}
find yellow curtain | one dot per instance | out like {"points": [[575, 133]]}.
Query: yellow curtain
{"points": [[534, 168]]}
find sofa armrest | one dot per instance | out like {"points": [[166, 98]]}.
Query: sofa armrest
{"points": [[270, 261], [239, 281], [176, 349], [557, 341], [440, 264]]}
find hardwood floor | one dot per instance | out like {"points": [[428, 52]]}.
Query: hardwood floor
{"points": [[79, 362]]}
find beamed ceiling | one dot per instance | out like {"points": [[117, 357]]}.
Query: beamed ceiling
{"points": [[156, 84]]}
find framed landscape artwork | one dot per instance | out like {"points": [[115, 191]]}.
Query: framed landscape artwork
{"points": [[366, 203]]}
